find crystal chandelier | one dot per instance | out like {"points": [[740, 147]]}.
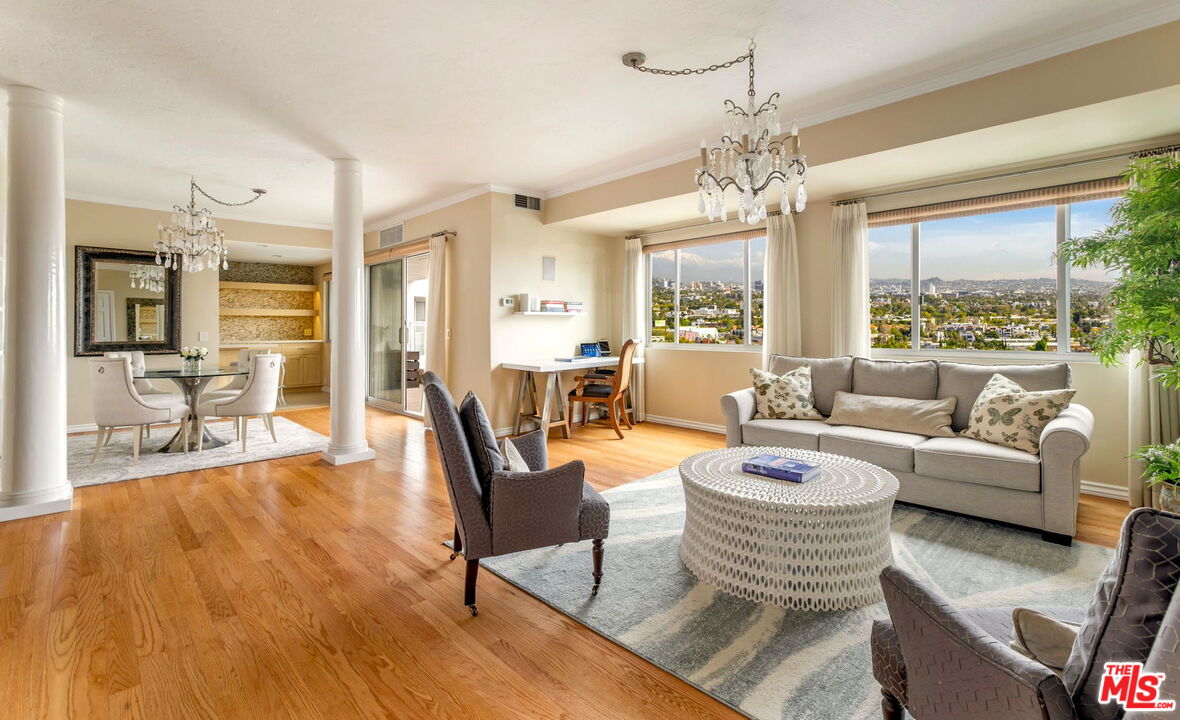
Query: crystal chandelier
{"points": [[750, 157], [191, 240], [147, 277]]}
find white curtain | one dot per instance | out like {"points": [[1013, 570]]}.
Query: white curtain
{"points": [[436, 314], [850, 281], [780, 309], [634, 316]]}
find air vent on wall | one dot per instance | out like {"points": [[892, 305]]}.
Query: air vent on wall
{"points": [[390, 236], [527, 202]]}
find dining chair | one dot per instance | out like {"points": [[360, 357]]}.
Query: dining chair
{"points": [[257, 399], [117, 403], [237, 382], [142, 385], [609, 390]]}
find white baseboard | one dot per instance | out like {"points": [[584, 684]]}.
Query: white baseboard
{"points": [[690, 424], [87, 427], [1118, 492]]}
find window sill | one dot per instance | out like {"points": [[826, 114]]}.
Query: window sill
{"points": [[1014, 356], [702, 347]]}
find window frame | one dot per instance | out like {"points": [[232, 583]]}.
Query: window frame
{"points": [[1062, 215], [747, 304]]}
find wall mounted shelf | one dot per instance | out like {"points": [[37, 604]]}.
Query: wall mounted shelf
{"points": [[551, 314], [268, 312], [280, 287]]}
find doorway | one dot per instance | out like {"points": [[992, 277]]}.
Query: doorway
{"points": [[397, 333]]}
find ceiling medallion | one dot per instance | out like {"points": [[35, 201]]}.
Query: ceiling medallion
{"points": [[749, 157], [191, 240]]}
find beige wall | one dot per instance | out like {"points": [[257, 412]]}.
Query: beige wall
{"points": [[114, 226]]}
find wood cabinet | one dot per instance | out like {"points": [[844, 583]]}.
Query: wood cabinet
{"points": [[303, 362]]}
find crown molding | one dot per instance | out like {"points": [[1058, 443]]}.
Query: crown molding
{"points": [[400, 217], [1091, 36], [86, 197]]}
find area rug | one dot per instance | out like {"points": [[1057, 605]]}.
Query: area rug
{"points": [[764, 661], [114, 461]]}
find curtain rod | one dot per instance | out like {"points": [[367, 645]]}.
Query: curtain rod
{"points": [[1062, 166], [448, 233], [771, 213]]}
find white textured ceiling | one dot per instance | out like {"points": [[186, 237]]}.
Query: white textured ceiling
{"points": [[438, 97]]}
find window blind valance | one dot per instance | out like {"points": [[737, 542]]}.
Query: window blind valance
{"points": [[1003, 202], [653, 246]]}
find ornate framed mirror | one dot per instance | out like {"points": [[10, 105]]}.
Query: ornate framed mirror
{"points": [[123, 300]]}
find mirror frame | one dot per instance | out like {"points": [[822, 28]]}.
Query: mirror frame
{"points": [[84, 286]]}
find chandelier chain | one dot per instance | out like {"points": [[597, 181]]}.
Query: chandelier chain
{"points": [[195, 188], [696, 71]]}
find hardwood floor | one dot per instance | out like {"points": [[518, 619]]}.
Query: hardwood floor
{"points": [[295, 589]]}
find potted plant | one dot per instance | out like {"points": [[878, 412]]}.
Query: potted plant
{"points": [[1142, 245], [1161, 466], [191, 357]]}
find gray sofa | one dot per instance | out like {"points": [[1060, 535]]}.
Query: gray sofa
{"points": [[957, 474]]}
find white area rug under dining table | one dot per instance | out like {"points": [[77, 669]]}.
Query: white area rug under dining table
{"points": [[114, 461]]}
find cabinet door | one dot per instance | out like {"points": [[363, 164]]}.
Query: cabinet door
{"points": [[313, 369], [294, 371]]}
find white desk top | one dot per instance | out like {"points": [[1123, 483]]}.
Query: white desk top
{"points": [[548, 365]]}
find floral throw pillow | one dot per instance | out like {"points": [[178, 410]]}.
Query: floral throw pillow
{"points": [[1006, 414], [784, 397]]}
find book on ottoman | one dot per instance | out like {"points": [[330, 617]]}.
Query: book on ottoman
{"points": [[781, 468]]}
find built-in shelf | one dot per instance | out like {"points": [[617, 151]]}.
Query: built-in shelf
{"points": [[281, 287], [551, 314], [268, 312]]}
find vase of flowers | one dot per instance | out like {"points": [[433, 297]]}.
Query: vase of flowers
{"points": [[191, 357], [1161, 466]]}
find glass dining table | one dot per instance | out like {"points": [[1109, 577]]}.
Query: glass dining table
{"points": [[192, 383]]}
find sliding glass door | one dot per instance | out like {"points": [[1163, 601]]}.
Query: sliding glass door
{"points": [[397, 333]]}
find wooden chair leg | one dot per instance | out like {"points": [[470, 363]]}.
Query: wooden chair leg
{"points": [[106, 439], [469, 586], [597, 551], [136, 436], [613, 410], [569, 417], [244, 432], [622, 401], [270, 425], [456, 545], [98, 443], [586, 408], [890, 707], [147, 429]]}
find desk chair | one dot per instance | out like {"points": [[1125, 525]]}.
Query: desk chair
{"points": [[609, 390]]}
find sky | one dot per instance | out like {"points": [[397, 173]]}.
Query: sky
{"points": [[724, 262], [1016, 244]]}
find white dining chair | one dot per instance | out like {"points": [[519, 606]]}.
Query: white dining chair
{"points": [[237, 382], [118, 404], [257, 399], [143, 386]]}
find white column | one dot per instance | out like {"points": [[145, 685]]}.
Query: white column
{"points": [[33, 476], [348, 442]]}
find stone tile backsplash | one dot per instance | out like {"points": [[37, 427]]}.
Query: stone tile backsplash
{"points": [[266, 299], [238, 328]]}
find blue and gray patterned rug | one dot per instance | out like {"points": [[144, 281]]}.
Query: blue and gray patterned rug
{"points": [[768, 662]]}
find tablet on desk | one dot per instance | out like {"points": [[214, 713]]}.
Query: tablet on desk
{"points": [[590, 349]]}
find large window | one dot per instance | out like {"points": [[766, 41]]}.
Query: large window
{"points": [[708, 293], [988, 282]]}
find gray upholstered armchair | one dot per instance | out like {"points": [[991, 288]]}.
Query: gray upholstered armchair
{"points": [[939, 662], [501, 511]]}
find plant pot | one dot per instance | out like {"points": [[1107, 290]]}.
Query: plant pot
{"points": [[192, 365], [1170, 497]]}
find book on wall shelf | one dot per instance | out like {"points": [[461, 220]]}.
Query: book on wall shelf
{"points": [[781, 468]]}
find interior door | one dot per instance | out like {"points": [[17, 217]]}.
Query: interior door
{"points": [[386, 332], [104, 319]]}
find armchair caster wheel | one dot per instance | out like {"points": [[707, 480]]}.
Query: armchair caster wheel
{"points": [[594, 590], [474, 610], [454, 555]]}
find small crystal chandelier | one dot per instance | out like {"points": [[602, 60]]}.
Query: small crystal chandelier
{"points": [[749, 156], [191, 240], [147, 277]]}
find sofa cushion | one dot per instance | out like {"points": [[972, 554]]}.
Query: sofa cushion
{"points": [[827, 376], [965, 381], [974, 461], [891, 450], [785, 397], [921, 417], [917, 379], [798, 434], [1006, 414]]}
